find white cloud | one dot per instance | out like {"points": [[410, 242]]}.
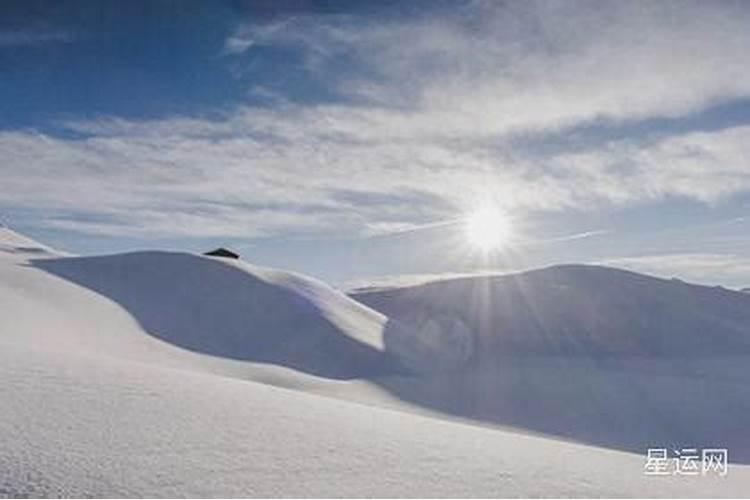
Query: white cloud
{"points": [[289, 157], [705, 166], [497, 67], [252, 35], [408, 280], [237, 45], [197, 177], [695, 267], [429, 133], [702, 268]]}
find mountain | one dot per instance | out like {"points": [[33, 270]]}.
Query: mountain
{"points": [[172, 374], [593, 354], [210, 306], [570, 310]]}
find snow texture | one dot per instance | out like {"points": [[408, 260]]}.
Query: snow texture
{"points": [[170, 374]]}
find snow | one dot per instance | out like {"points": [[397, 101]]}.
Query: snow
{"points": [[15, 243], [84, 426], [234, 310], [170, 374], [598, 355], [577, 310]]}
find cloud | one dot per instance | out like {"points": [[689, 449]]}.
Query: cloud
{"points": [[237, 45], [430, 112], [408, 280], [251, 35], [496, 67], [705, 166], [250, 175], [702, 268], [695, 267], [571, 237]]}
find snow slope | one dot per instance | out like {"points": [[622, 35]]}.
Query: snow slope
{"points": [[168, 374], [12, 242], [222, 310], [570, 310], [83, 426], [234, 310], [598, 355]]}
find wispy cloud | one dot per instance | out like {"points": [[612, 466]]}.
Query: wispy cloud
{"points": [[407, 280], [704, 268], [705, 166], [281, 173], [572, 237], [495, 67], [701, 268], [429, 113]]}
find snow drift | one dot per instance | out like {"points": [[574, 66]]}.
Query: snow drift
{"points": [[13, 243], [166, 374], [236, 311], [86, 426]]}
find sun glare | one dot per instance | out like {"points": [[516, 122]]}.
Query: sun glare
{"points": [[488, 228]]}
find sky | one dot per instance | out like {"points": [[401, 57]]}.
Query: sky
{"points": [[350, 140]]}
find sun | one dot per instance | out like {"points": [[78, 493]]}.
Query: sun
{"points": [[488, 228]]}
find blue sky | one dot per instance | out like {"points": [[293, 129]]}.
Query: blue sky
{"points": [[349, 140]]}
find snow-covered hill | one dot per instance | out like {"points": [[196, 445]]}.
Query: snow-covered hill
{"points": [[145, 305], [595, 354], [570, 310], [234, 310], [169, 374]]}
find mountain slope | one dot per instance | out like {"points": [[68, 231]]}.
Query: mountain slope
{"points": [[208, 306], [137, 375], [83, 426], [597, 355], [569, 311], [236, 311]]}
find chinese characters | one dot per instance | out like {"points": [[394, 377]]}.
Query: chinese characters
{"points": [[686, 462]]}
